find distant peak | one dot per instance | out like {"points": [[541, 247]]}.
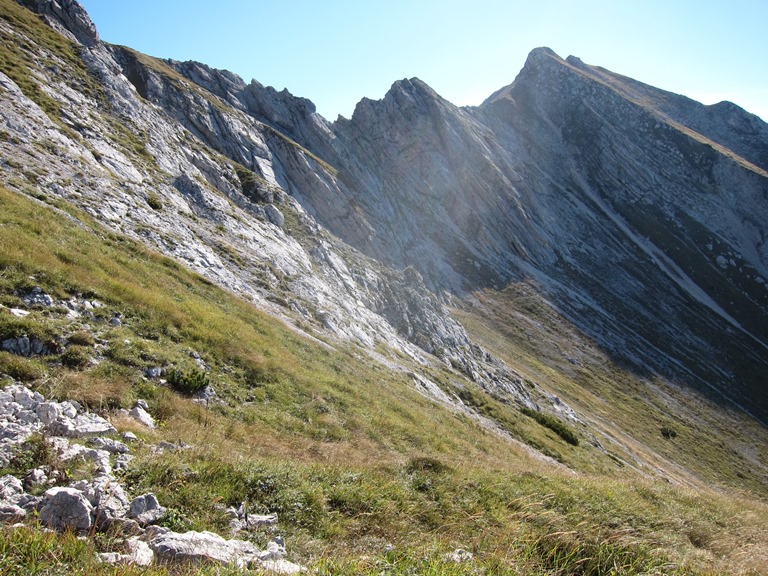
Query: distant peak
{"points": [[542, 51], [411, 86], [542, 55]]}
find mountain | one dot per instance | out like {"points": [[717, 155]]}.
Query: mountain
{"points": [[569, 278]]}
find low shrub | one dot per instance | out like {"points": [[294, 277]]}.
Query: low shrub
{"points": [[82, 338], [20, 368], [668, 432], [555, 424], [76, 357], [154, 202], [188, 382]]}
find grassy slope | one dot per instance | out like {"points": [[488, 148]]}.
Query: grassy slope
{"points": [[712, 444], [347, 454]]}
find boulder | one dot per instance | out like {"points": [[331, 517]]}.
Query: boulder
{"points": [[24, 396], [139, 554], [66, 509], [108, 498], [142, 416], [99, 457], [113, 446], [10, 487], [49, 412], [129, 437], [38, 298], [204, 547], [11, 512], [81, 426], [146, 509]]}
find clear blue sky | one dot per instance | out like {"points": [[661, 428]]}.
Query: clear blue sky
{"points": [[335, 52]]}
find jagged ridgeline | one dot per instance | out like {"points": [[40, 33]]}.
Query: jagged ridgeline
{"points": [[523, 337]]}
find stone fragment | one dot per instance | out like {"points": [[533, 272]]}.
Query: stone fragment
{"points": [[459, 556], [274, 215], [70, 408], [35, 477], [281, 566], [113, 558], [122, 462], [153, 372], [275, 551]]}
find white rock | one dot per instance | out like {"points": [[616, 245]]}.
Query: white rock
{"points": [[81, 426], [11, 512], [113, 446], [140, 552], [142, 417], [282, 566], [48, 412], [204, 546], [10, 486]]}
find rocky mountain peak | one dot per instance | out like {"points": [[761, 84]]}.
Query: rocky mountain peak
{"points": [[67, 17]]}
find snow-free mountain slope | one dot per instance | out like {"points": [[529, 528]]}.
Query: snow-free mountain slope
{"points": [[642, 233]]}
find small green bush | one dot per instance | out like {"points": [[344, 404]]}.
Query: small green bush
{"points": [[555, 424], [188, 382], [154, 202], [668, 432], [82, 338], [76, 357]]}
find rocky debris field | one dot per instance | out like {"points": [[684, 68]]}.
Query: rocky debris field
{"points": [[52, 437]]}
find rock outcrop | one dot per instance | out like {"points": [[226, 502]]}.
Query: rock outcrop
{"points": [[101, 503]]}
